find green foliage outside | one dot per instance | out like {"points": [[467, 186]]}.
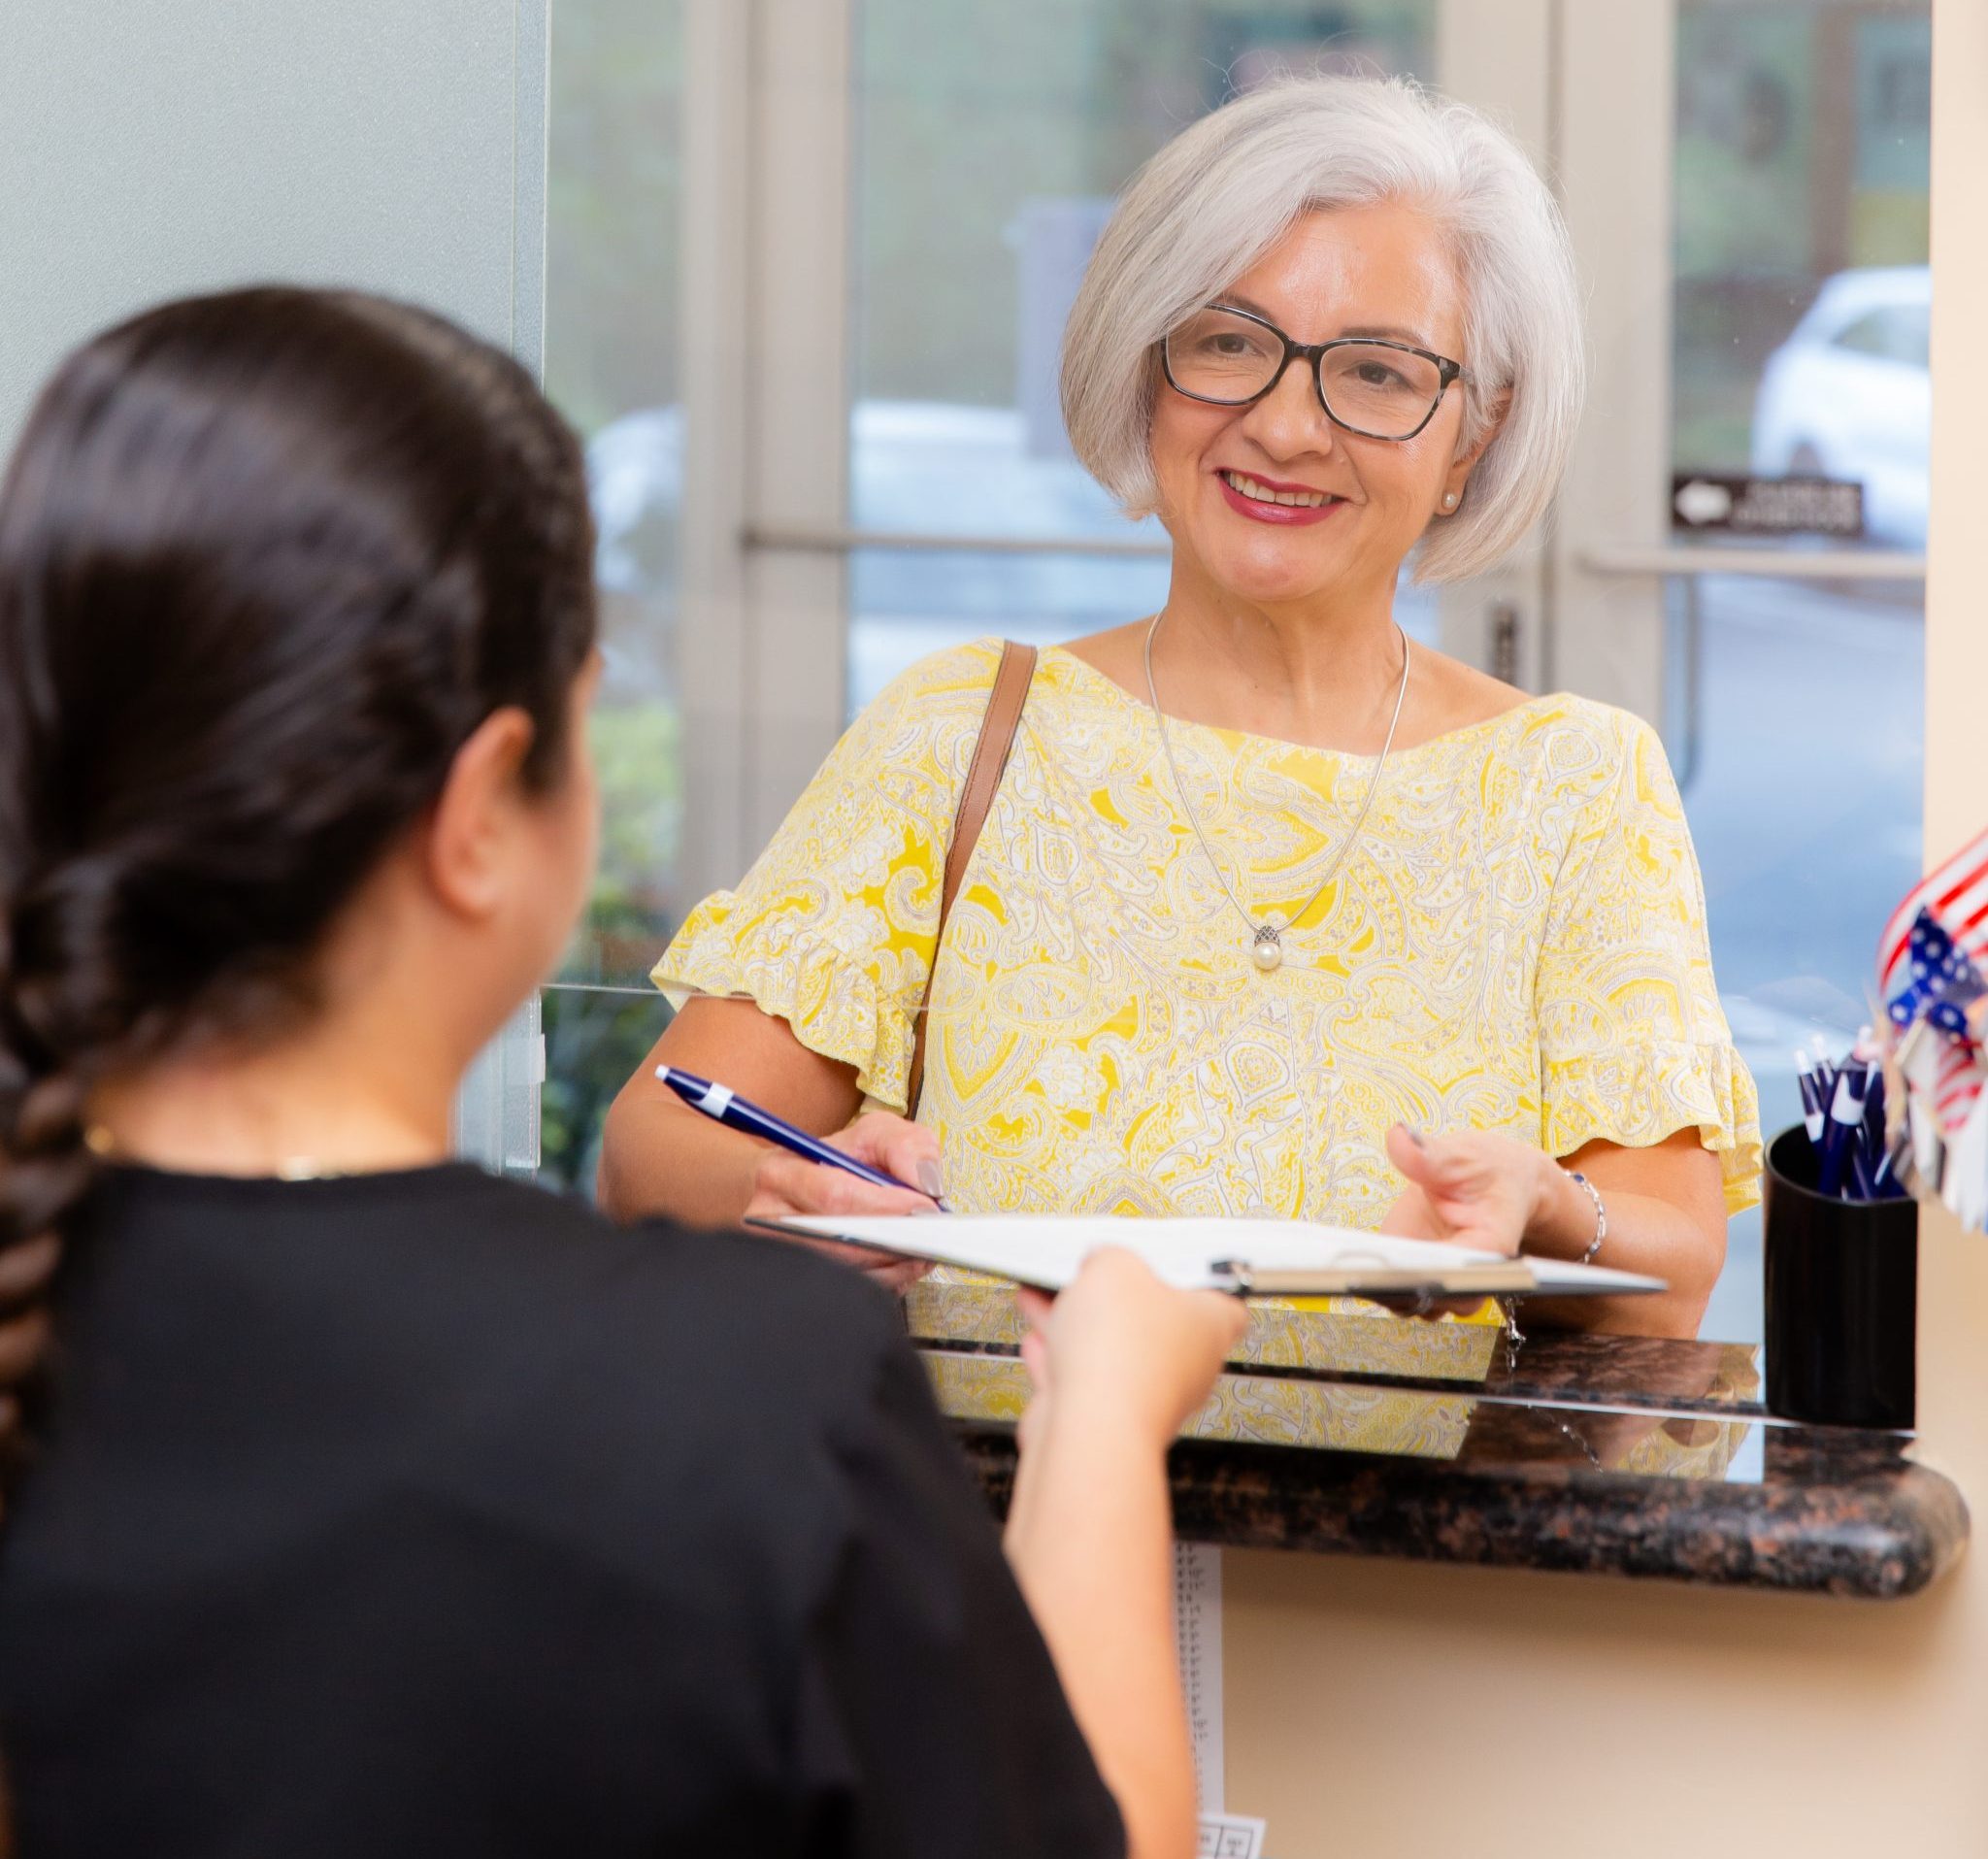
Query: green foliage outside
{"points": [[594, 1039], [593, 1044], [636, 761], [614, 204], [1801, 151]]}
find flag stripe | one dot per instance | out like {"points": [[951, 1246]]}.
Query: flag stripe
{"points": [[1937, 892]]}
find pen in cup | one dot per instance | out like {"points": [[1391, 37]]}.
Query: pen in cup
{"points": [[1843, 1129], [1813, 1111], [1885, 1179]]}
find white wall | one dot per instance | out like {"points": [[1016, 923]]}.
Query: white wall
{"points": [[153, 148], [149, 148]]}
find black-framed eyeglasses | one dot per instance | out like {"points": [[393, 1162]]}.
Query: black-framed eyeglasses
{"points": [[1377, 388]]}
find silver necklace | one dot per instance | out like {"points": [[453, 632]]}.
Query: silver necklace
{"points": [[1266, 948]]}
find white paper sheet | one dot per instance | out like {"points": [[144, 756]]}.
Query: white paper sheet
{"points": [[1230, 1835], [1198, 1632], [1047, 1249]]}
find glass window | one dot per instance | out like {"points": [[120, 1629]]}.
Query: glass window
{"points": [[1893, 334], [991, 142], [1795, 718], [611, 366], [1870, 335], [1911, 332]]}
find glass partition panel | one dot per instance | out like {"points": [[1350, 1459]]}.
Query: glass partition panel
{"points": [[1801, 309], [989, 142], [611, 366]]}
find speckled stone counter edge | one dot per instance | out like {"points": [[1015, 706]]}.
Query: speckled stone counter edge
{"points": [[1837, 1513]]}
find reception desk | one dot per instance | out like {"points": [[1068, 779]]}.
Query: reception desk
{"points": [[1368, 1436]]}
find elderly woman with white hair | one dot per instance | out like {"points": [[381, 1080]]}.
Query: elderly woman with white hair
{"points": [[1272, 912]]}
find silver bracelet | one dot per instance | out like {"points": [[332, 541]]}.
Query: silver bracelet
{"points": [[1600, 1215]]}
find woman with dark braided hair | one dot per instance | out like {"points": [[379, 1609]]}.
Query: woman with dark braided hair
{"points": [[357, 1501]]}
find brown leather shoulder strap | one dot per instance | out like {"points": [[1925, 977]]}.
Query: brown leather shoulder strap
{"points": [[998, 726]]}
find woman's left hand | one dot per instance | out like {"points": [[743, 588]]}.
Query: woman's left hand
{"points": [[1476, 1188]]}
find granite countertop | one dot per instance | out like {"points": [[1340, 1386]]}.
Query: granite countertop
{"points": [[1364, 1434]]}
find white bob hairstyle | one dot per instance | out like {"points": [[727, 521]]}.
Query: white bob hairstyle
{"points": [[1225, 190]]}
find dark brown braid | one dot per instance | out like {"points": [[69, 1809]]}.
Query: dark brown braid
{"points": [[266, 560]]}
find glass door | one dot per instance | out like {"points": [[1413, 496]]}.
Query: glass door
{"points": [[1783, 191]]}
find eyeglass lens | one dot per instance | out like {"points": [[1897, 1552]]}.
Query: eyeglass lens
{"points": [[1220, 357]]}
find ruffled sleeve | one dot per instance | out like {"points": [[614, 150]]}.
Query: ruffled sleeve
{"points": [[834, 927], [1633, 1044]]}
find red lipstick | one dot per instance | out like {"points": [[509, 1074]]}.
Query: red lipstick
{"points": [[1294, 515]]}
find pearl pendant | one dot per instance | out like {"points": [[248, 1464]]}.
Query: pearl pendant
{"points": [[1267, 952]]}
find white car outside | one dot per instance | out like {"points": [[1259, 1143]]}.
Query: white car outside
{"points": [[1848, 396]]}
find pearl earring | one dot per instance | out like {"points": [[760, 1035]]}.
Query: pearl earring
{"points": [[1449, 500]]}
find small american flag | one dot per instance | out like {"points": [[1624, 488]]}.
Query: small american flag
{"points": [[1930, 960], [1938, 982], [1957, 1085], [1956, 899]]}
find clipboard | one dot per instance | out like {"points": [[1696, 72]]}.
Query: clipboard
{"points": [[1244, 1257]]}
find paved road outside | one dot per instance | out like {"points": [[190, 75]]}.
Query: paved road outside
{"points": [[1805, 805]]}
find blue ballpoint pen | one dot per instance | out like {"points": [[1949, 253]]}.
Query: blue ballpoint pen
{"points": [[1873, 1112], [1845, 1120], [723, 1105], [1885, 1179], [1812, 1110]]}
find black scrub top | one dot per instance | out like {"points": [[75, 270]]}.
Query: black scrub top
{"points": [[427, 1514]]}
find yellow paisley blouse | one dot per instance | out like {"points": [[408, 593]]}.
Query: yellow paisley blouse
{"points": [[1515, 942]]}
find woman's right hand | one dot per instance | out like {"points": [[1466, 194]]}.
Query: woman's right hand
{"points": [[1120, 1347], [785, 1184]]}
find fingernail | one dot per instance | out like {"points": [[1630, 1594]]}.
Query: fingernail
{"points": [[1413, 1134], [930, 1179]]}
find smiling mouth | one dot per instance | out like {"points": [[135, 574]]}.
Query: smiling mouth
{"points": [[1259, 492]]}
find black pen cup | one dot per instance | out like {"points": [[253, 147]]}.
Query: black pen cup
{"points": [[1842, 1298]]}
